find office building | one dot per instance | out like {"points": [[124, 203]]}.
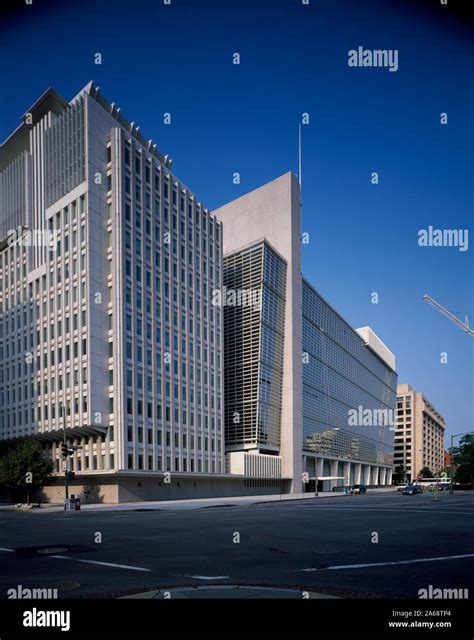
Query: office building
{"points": [[419, 435], [349, 390], [108, 331], [332, 374], [122, 324]]}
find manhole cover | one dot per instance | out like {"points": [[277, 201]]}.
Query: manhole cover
{"points": [[62, 587], [52, 550]]}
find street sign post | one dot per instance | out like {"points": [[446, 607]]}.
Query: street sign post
{"points": [[304, 479]]}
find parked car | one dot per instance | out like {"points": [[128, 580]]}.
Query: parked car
{"points": [[411, 489], [439, 486], [359, 489], [345, 490], [401, 486]]}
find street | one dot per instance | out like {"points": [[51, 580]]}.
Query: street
{"points": [[328, 546]]}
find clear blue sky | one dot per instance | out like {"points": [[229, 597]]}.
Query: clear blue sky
{"points": [[228, 118]]}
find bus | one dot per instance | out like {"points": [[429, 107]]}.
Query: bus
{"points": [[442, 483]]}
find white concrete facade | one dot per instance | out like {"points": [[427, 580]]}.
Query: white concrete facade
{"points": [[349, 472], [273, 212], [126, 347]]}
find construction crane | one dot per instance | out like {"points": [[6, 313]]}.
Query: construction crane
{"points": [[463, 325]]}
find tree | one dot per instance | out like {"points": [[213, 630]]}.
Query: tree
{"points": [[400, 474], [23, 467], [463, 457], [426, 473]]}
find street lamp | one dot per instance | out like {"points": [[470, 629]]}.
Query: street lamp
{"points": [[456, 435], [64, 456]]}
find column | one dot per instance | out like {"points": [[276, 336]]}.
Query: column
{"points": [[357, 472], [383, 475], [375, 475], [347, 474], [366, 474], [319, 467], [334, 472], [389, 476]]}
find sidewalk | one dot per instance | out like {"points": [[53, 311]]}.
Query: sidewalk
{"points": [[195, 503]]}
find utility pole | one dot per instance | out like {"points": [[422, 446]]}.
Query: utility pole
{"points": [[67, 451], [64, 456]]}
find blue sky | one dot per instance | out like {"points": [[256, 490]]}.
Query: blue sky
{"points": [[244, 118]]}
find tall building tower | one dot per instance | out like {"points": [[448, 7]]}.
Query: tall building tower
{"points": [[328, 368], [349, 392], [419, 435], [272, 214], [109, 337], [254, 322]]}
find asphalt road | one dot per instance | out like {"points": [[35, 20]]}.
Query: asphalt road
{"points": [[308, 544]]}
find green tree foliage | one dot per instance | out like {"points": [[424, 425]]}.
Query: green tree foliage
{"points": [[400, 474], [426, 473], [24, 467], [463, 457]]}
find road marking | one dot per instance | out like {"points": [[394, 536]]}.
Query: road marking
{"points": [[410, 510], [64, 520], [104, 564], [8, 550], [386, 564], [207, 577]]}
